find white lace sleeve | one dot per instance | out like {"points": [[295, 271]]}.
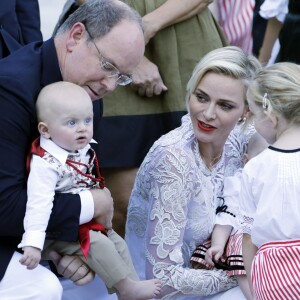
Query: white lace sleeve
{"points": [[171, 185]]}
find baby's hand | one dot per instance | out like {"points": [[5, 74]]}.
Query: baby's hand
{"points": [[213, 254], [31, 257]]}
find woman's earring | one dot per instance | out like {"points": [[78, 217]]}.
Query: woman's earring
{"points": [[242, 121]]}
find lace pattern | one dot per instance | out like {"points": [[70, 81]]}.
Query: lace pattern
{"points": [[246, 224], [172, 210]]}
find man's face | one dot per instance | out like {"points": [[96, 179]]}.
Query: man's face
{"points": [[123, 47]]}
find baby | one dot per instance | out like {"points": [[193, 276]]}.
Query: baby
{"points": [[63, 161]]}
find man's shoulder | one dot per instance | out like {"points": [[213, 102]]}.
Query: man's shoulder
{"points": [[22, 61], [29, 69]]}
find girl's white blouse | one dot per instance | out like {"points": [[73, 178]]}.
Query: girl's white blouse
{"points": [[269, 198]]}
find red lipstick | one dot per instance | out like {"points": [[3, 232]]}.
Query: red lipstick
{"points": [[205, 127]]}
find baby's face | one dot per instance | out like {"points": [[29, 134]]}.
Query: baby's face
{"points": [[71, 124]]}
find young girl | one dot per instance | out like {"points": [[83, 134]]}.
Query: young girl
{"points": [[224, 249], [270, 188]]}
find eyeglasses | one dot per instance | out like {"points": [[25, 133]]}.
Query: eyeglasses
{"points": [[109, 68]]}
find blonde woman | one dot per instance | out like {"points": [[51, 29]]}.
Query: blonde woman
{"points": [[173, 204]]}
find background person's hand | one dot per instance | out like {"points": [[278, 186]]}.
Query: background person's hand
{"points": [[73, 268], [147, 80]]}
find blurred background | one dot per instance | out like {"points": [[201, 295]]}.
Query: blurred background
{"points": [[50, 11]]}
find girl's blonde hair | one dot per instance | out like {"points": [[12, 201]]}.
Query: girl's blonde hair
{"points": [[276, 89]]}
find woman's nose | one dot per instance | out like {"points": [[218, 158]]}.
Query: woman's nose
{"points": [[210, 112]]}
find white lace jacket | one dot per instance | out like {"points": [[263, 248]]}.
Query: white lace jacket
{"points": [[172, 210]]}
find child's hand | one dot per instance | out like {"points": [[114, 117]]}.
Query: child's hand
{"points": [[213, 254], [105, 215], [31, 257], [197, 265]]}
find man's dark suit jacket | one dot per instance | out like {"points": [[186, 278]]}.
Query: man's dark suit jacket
{"points": [[22, 75], [20, 22]]}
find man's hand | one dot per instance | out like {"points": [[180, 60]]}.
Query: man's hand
{"points": [[73, 268], [104, 207]]}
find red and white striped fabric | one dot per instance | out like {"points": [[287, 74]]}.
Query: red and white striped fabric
{"points": [[232, 261], [276, 271], [234, 258], [235, 17]]}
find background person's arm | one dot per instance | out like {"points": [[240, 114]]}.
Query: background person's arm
{"points": [[147, 80], [271, 35], [170, 13]]}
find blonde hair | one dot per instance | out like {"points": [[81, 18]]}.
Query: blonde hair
{"points": [[229, 61], [277, 89]]}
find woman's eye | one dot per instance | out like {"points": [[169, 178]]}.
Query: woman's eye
{"points": [[201, 98], [226, 106]]}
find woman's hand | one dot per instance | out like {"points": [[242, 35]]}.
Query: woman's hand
{"points": [[73, 268], [147, 80]]}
